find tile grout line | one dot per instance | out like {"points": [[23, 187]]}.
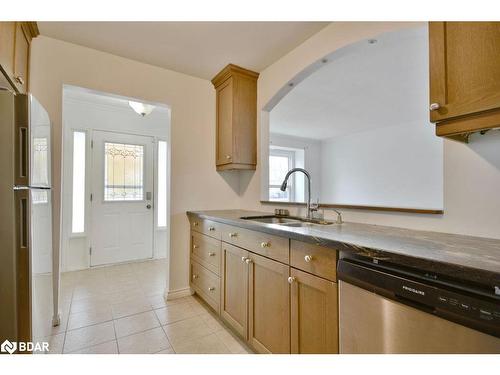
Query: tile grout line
{"points": [[116, 338], [67, 322]]}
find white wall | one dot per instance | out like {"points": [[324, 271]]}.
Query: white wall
{"points": [[88, 112], [195, 185], [471, 171], [392, 166]]}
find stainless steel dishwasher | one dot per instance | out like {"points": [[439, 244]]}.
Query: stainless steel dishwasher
{"points": [[385, 309]]}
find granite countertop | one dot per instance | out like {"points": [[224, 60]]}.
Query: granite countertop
{"points": [[466, 258]]}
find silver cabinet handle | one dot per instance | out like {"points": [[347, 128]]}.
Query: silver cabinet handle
{"points": [[195, 224], [232, 235], [148, 206], [265, 244], [211, 254], [244, 259], [195, 277], [291, 280], [211, 229], [434, 106], [19, 80], [195, 246], [248, 261], [228, 157], [211, 289], [308, 258]]}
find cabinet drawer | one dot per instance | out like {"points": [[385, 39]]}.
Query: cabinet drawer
{"points": [[206, 250], [206, 284], [270, 246], [318, 260], [208, 227]]}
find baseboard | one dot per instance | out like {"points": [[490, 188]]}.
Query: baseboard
{"points": [[179, 293]]}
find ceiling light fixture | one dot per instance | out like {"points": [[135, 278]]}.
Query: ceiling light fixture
{"points": [[141, 108]]}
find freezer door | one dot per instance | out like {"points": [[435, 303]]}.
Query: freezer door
{"points": [[21, 141]]}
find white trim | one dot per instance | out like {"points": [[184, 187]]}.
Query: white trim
{"points": [[179, 293]]}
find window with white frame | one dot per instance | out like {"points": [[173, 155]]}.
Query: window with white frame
{"points": [[280, 162]]}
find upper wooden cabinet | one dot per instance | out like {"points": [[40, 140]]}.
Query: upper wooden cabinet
{"points": [[15, 40], [464, 77], [236, 138]]}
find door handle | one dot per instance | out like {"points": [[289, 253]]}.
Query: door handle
{"points": [[148, 206]]}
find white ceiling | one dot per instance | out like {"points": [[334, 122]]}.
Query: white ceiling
{"points": [[200, 49], [363, 86], [81, 94]]}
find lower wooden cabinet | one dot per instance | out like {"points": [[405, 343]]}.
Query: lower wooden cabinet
{"points": [[234, 288], [274, 307], [314, 314], [269, 305]]}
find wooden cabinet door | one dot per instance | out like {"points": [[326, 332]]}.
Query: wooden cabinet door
{"points": [[269, 305], [21, 58], [225, 123], [7, 35], [464, 68], [234, 291], [314, 314]]}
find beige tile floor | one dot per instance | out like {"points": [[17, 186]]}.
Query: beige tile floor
{"points": [[121, 309]]}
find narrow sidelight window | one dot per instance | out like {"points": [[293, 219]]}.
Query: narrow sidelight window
{"points": [[78, 216], [162, 184]]}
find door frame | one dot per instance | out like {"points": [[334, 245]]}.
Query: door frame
{"points": [[95, 195], [67, 188]]}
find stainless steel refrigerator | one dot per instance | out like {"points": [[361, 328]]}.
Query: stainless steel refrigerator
{"points": [[27, 310]]}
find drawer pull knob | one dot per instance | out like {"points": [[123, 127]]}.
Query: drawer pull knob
{"points": [[291, 280], [308, 258], [195, 246], [211, 254], [244, 259], [228, 157], [211, 229], [195, 277], [248, 261], [211, 289], [232, 235], [265, 244], [434, 106], [19, 80], [195, 224]]}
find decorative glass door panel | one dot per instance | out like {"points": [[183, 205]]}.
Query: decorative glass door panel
{"points": [[123, 172]]}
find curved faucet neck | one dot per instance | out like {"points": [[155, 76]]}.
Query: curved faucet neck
{"points": [[306, 173]]}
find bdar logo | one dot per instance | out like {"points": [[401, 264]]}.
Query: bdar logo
{"points": [[8, 347]]}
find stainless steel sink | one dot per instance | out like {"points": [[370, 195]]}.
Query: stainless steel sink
{"points": [[272, 219], [288, 221]]}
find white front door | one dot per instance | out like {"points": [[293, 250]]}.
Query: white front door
{"points": [[122, 198]]}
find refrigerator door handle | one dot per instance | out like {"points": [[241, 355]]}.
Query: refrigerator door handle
{"points": [[22, 218], [23, 223], [23, 155]]}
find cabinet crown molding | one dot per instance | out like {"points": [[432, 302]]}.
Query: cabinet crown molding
{"points": [[231, 70]]}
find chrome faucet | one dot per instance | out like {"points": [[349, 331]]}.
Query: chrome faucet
{"points": [[306, 173]]}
